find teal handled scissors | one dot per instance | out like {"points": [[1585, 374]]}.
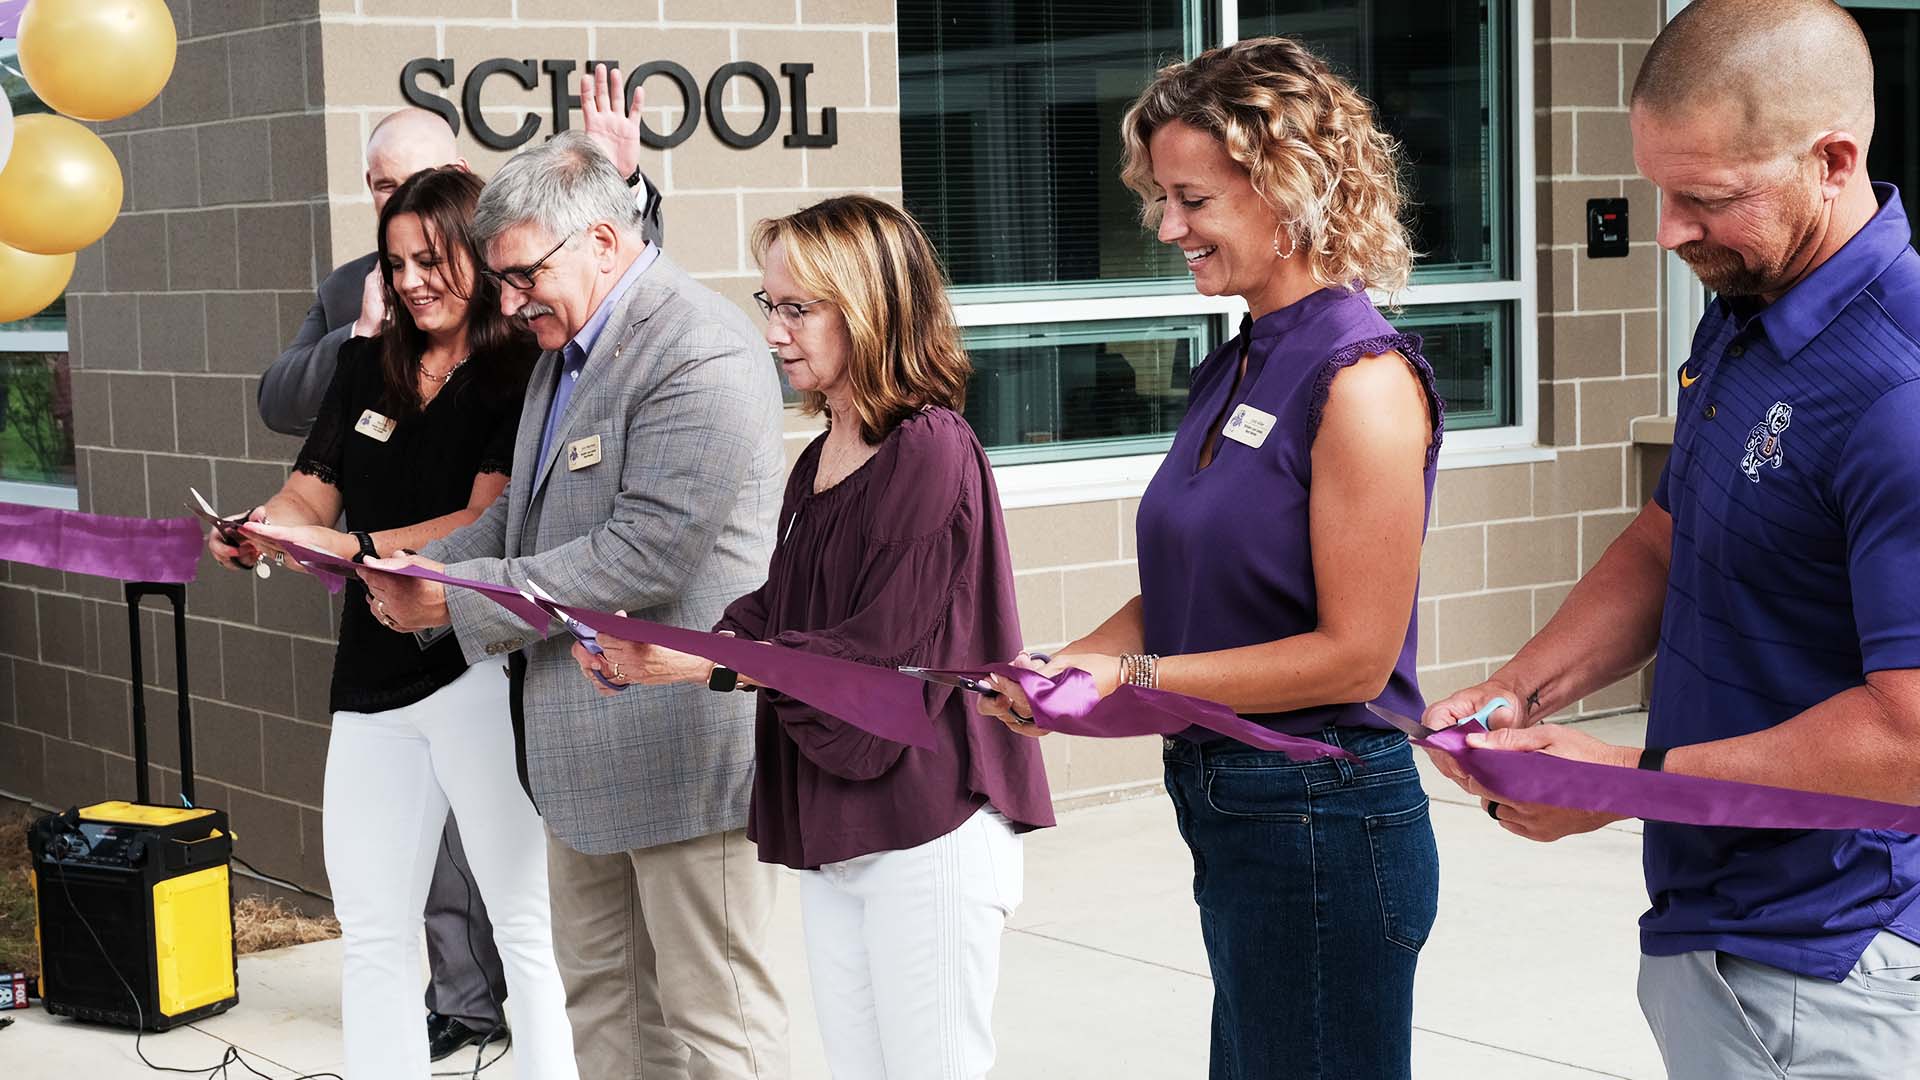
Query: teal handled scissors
{"points": [[1419, 732]]}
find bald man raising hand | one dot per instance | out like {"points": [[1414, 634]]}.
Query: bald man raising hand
{"points": [[350, 301], [1773, 578]]}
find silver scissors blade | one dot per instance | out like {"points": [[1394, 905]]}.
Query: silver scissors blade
{"points": [[948, 678], [1419, 732], [1413, 729]]}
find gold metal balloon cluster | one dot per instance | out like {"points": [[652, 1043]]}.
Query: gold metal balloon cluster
{"points": [[60, 186]]}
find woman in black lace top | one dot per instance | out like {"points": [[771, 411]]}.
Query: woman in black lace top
{"points": [[414, 440]]}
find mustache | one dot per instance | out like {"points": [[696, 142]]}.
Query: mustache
{"points": [[531, 310]]}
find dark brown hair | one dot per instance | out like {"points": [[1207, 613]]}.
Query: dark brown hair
{"points": [[499, 352], [874, 263]]}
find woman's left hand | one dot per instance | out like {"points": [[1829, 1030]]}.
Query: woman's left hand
{"points": [[317, 537], [628, 662]]}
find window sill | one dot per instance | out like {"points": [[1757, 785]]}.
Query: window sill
{"points": [[59, 498], [1652, 431]]}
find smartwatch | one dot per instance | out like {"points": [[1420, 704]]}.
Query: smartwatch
{"points": [[1654, 758], [723, 679]]}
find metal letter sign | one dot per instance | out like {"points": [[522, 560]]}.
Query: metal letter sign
{"points": [[527, 73]]}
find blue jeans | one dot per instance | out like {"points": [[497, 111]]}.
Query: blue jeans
{"points": [[1317, 884]]}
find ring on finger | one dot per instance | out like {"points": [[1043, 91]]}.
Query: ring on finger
{"points": [[1017, 718], [616, 672], [1493, 810]]}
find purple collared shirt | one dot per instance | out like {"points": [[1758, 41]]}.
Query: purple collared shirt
{"points": [[1794, 485]]}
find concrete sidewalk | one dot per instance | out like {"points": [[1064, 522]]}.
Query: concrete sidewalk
{"points": [[1529, 974]]}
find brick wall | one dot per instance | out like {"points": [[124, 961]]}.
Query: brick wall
{"points": [[211, 265]]}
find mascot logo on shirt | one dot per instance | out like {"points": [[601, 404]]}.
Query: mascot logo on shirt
{"points": [[1763, 442]]}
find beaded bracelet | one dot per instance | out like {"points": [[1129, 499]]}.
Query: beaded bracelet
{"points": [[1140, 670]]}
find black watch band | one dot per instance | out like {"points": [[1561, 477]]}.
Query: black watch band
{"points": [[1654, 758], [722, 678], [634, 180], [366, 551]]}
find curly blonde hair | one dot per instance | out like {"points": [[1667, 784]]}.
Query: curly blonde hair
{"points": [[1309, 143]]}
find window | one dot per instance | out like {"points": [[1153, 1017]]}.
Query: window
{"points": [[1081, 389], [36, 396], [1082, 326], [1893, 36]]}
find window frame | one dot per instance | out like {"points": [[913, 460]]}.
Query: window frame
{"points": [[1126, 475], [57, 496]]}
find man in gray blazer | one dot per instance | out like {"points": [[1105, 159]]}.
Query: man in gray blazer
{"points": [[647, 477]]}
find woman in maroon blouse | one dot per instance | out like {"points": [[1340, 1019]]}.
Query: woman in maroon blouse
{"points": [[891, 552]]}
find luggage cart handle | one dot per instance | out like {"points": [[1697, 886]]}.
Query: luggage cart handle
{"points": [[177, 595]]}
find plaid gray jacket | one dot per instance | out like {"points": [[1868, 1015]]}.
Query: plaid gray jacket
{"points": [[675, 521]]}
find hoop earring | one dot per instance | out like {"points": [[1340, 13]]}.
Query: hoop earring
{"points": [[1293, 242]]}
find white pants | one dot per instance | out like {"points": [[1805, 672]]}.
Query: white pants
{"points": [[903, 953], [390, 778]]}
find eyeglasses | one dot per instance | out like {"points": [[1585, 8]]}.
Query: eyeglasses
{"points": [[790, 313], [521, 277]]}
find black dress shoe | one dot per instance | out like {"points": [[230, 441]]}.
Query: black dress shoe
{"points": [[446, 1035]]}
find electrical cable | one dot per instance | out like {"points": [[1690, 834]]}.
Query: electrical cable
{"points": [[227, 1060]]}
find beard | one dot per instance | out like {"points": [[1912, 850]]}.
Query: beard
{"points": [[1728, 272]]}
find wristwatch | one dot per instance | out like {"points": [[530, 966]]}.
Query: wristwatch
{"points": [[722, 678], [1654, 758], [365, 540], [634, 180]]}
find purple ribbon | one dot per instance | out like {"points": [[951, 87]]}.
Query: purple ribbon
{"points": [[1534, 777], [10, 11], [1070, 703], [130, 549], [888, 704], [876, 700]]}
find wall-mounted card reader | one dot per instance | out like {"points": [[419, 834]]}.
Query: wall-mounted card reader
{"points": [[1606, 228]]}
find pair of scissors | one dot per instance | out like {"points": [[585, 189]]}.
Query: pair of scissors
{"points": [[963, 681], [582, 633], [1420, 733]]}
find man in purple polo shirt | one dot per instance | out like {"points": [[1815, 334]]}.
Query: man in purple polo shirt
{"points": [[1775, 576]]}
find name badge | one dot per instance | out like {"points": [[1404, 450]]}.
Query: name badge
{"points": [[1248, 426], [583, 453], [374, 426]]}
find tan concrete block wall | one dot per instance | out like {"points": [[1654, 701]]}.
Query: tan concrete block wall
{"points": [[714, 193]]}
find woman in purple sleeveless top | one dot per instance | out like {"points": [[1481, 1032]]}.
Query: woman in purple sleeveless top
{"points": [[1279, 559]]}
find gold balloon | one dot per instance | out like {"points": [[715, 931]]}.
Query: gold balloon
{"points": [[97, 59], [29, 282], [61, 188]]}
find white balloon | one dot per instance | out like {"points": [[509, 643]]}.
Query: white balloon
{"points": [[6, 129]]}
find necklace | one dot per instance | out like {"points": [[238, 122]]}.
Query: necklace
{"points": [[442, 378]]}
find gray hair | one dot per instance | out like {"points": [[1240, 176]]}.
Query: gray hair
{"points": [[562, 185]]}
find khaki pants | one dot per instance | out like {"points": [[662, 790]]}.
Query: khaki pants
{"points": [[663, 951]]}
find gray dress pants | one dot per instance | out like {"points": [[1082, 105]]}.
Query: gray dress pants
{"points": [[468, 983], [1718, 1016]]}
